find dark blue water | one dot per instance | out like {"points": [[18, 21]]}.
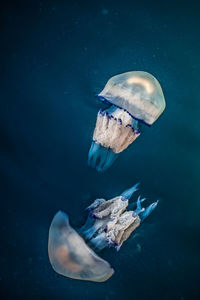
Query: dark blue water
{"points": [[56, 55]]}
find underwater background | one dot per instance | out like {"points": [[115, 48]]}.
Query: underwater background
{"points": [[55, 57]]}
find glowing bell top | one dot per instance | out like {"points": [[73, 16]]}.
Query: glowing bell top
{"points": [[137, 92]]}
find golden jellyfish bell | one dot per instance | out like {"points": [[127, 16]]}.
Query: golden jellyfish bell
{"points": [[137, 92]]}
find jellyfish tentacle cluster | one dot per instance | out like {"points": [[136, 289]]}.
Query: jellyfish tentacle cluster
{"points": [[114, 223], [134, 97], [115, 129], [109, 224]]}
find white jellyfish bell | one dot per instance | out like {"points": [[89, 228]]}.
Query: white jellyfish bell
{"points": [[70, 256], [134, 97], [109, 224]]}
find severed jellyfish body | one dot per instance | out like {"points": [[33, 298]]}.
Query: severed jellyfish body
{"points": [[109, 224], [134, 97]]}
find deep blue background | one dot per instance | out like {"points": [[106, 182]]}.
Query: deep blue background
{"points": [[56, 55]]}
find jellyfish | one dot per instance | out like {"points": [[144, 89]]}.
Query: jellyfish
{"points": [[73, 253], [134, 97]]}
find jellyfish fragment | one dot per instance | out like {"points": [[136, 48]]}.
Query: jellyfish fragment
{"points": [[134, 97], [109, 224]]}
